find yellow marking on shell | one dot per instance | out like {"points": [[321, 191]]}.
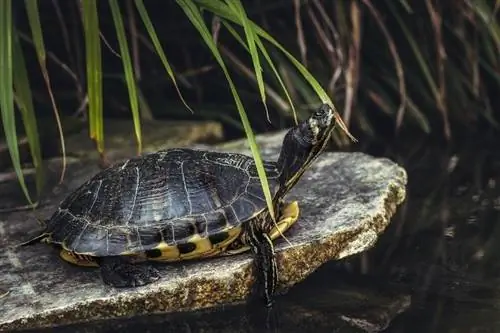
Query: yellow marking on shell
{"points": [[203, 244], [204, 247], [77, 259], [168, 252], [288, 217], [233, 234]]}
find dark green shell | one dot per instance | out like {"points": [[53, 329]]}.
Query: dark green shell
{"points": [[166, 197]]}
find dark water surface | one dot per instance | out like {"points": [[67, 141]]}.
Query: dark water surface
{"points": [[438, 260]]}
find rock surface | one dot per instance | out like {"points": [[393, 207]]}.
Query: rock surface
{"points": [[120, 139], [336, 305], [346, 201], [82, 156]]}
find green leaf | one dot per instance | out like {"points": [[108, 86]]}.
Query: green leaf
{"points": [[237, 8], [156, 42], [195, 17], [262, 49], [223, 11], [94, 73], [6, 92], [36, 31], [24, 102], [301, 68], [486, 13], [129, 75]]}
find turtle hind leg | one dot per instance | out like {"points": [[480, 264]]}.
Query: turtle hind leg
{"points": [[120, 272], [265, 267]]}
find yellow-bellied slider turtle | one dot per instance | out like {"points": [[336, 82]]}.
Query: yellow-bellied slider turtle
{"points": [[182, 204]]}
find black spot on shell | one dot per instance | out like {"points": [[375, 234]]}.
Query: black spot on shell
{"points": [[185, 248], [218, 238], [153, 253]]}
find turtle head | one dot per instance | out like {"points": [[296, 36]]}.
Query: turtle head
{"points": [[317, 128], [303, 143]]}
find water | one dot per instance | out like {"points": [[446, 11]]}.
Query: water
{"points": [[443, 244], [437, 263]]}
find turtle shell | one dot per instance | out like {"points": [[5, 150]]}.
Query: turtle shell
{"points": [[165, 201]]}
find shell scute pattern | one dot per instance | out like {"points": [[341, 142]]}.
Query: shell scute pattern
{"points": [[92, 239], [219, 220], [161, 200], [66, 227]]}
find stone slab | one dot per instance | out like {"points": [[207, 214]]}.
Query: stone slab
{"points": [[346, 199]]}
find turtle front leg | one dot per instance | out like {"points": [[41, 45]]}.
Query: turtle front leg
{"points": [[120, 272], [265, 268]]}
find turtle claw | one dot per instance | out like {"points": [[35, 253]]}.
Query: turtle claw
{"points": [[120, 273]]}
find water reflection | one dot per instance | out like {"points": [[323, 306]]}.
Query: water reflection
{"points": [[442, 246]]}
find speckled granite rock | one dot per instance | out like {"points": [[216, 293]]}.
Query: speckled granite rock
{"points": [[347, 200]]}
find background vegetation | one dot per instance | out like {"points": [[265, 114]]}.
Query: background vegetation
{"points": [[391, 67]]}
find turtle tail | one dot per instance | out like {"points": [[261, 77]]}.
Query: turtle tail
{"points": [[40, 238]]}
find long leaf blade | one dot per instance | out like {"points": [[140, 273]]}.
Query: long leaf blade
{"points": [[129, 75], [24, 102], [94, 74], [269, 62], [156, 42], [238, 9], [223, 11], [195, 17], [36, 31], [7, 94]]}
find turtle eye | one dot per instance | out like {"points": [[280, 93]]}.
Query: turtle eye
{"points": [[323, 116], [324, 111]]}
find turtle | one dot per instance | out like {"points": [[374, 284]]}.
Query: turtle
{"points": [[182, 203]]}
